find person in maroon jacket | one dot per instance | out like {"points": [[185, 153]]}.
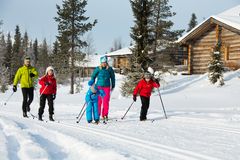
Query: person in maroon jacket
{"points": [[144, 89], [47, 91]]}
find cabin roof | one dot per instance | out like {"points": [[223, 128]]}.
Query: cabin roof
{"points": [[229, 19]]}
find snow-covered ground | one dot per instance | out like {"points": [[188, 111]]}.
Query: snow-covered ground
{"points": [[203, 124]]}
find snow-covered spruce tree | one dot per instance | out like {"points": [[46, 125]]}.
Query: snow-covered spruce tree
{"points": [[8, 58], [73, 23], [3, 69], [4, 74], [132, 78], [140, 33], [192, 23], [215, 67]]}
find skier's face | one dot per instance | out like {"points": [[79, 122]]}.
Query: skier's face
{"points": [[50, 72], [27, 62], [104, 64], [147, 79]]}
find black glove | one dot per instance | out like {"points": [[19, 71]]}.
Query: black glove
{"points": [[53, 96], [157, 81], [32, 75], [46, 83], [134, 98], [14, 88]]}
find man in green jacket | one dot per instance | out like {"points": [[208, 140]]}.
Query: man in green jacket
{"points": [[26, 75]]}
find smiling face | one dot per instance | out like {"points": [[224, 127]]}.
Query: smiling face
{"points": [[50, 72], [104, 64], [147, 79], [27, 62]]}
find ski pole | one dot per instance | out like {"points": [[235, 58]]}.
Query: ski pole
{"points": [[5, 103], [43, 91], [127, 110], [81, 115], [162, 103], [81, 110]]}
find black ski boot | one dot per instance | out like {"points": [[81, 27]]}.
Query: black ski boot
{"points": [[51, 117], [25, 115], [40, 117]]}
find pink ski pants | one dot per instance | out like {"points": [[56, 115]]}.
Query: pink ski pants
{"points": [[103, 103]]}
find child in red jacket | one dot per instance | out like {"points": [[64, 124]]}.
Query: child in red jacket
{"points": [[47, 91], [144, 89]]}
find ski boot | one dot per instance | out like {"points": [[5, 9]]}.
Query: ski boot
{"points": [[25, 115], [40, 117], [51, 117]]}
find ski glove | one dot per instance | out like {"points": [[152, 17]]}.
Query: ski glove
{"points": [[157, 81], [134, 98], [14, 88], [46, 83], [32, 75], [53, 96], [93, 96]]}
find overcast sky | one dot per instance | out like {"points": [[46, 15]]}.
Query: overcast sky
{"points": [[114, 17]]}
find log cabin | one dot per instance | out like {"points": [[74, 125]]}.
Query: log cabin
{"points": [[200, 41], [120, 59]]}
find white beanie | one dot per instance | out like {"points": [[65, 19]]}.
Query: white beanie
{"points": [[49, 68]]}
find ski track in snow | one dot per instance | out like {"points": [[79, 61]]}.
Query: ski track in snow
{"points": [[182, 83], [45, 143], [171, 151], [206, 124], [19, 139], [74, 148]]}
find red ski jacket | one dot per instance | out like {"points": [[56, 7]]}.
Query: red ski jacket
{"points": [[48, 89], [144, 88]]}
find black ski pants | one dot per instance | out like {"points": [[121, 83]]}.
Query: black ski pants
{"points": [[43, 98], [144, 109], [27, 98]]}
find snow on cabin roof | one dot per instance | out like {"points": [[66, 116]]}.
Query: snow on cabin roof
{"points": [[124, 51], [230, 17], [90, 61]]}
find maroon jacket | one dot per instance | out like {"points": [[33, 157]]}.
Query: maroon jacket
{"points": [[51, 88], [144, 88]]}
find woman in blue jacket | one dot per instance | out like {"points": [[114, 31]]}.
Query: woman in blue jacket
{"points": [[106, 82]]}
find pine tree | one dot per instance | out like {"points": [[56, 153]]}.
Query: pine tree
{"points": [[163, 35], [142, 12], [43, 58], [141, 35], [35, 52], [132, 78], [17, 55], [8, 57], [192, 23], [60, 58], [216, 67], [25, 43], [73, 23], [3, 69]]}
